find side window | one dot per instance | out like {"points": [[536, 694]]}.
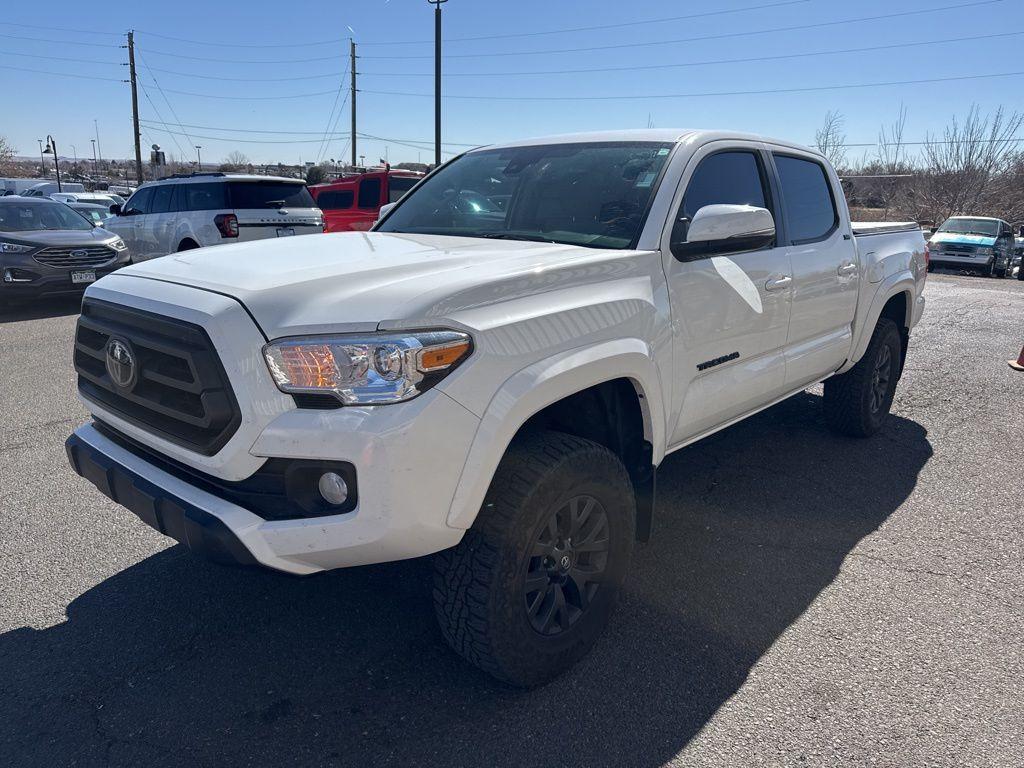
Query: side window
{"points": [[161, 199], [399, 185], [810, 208], [335, 201], [730, 178], [203, 197], [369, 193], [139, 202]]}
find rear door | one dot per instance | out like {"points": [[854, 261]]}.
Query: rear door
{"points": [[337, 206], [825, 268], [730, 310], [273, 208]]}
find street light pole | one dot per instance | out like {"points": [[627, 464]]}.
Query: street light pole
{"points": [[42, 160], [51, 149], [437, 79], [199, 158], [95, 165]]}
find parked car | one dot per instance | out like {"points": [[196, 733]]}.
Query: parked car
{"points": [[1018, 254], [978, 243], [353, 203], [179, 213], [96, 198], [47, 188], [97, 214], [47, 248], [494, 372]]}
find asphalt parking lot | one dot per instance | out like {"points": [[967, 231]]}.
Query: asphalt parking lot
{"points": [[806, 600]]}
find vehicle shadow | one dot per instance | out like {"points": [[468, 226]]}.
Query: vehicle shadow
{"points": [[175, 661], [38, 309]]}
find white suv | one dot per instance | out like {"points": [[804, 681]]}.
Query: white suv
{"points": [[179, 213]]}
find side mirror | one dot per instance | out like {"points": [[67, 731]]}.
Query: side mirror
{"points": [[116, 209], [385, 210], [720, 229]]}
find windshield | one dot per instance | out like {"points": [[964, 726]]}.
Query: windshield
{"points": [[32, 217], [986, 227], [579, 194], [269, 194]]}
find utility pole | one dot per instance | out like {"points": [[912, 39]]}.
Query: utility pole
{"points": [[96, 125], [135, 106], [437, 79], [95, 165], [352, 66]]}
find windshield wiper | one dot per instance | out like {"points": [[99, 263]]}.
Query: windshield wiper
{"points": [[517, 236]]}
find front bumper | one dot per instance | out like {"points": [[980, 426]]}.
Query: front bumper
{"points": [[407, 479], [49, 281]]}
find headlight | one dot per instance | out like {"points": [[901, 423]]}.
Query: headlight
{"points": [[6, 247], [118, 245], [366, 370], [985, 251]]}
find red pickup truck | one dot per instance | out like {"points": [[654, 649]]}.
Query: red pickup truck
{"points": [[353, 202]]}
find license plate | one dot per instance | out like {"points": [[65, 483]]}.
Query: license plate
{"points": [[285, 231], [88, 276]]}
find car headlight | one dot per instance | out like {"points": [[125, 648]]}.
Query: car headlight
{"points": [[366, 370], [118, 245], [6, 247], [985, 251]]}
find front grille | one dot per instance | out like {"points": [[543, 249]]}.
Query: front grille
{"points": [[961, 250], [85, 256], [180, 393]]}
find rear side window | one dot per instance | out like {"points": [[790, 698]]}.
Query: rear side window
{"points": [[335, 200], [810, 209], [369, 193], [727, 178], [398, 186], [203, 197], [161, 202], [269, 194], [139, 202]]}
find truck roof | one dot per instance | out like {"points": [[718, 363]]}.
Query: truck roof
{"points": [[667, 135]]}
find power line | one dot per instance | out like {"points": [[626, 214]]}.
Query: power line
{"points": [[76, 60], [62, 74], [324, 76], [177, 55], [49, 28], [599, 26], [251, 98], [310, 133], [160, 117], [632, 96], [721, 36], [706, 62], [220, 44], [166, 100], [332, 136], [61, 42]]}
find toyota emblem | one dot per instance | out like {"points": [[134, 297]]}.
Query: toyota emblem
{"points": [[121, 363]]}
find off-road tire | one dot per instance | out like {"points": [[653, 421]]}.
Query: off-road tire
{"points": [[849, 407], [480, 592]]}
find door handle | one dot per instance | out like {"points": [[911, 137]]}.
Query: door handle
{"points": [[778, 283], [847, 269]]}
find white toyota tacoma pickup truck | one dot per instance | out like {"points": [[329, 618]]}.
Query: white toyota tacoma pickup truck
{"points": [[494, 372]]}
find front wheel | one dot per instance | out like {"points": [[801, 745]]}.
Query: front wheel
{"points": [[533, 583], [857, 402]]}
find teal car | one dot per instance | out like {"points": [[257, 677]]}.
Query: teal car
{"points": [[978, 243]]}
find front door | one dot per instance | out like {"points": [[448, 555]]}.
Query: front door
{"points": [[730, 312], [825, 270]]}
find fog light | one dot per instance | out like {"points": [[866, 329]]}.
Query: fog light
{"points": [[333, 488]]}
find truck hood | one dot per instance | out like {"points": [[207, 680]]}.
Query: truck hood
{"points": [[360, 281], [955, 238]]}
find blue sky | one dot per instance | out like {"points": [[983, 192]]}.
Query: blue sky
{"points": [[277, 34]]}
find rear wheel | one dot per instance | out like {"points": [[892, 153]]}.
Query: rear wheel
{"points": [[529, 589], [857, 402]]}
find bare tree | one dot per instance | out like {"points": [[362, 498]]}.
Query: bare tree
{"points": [[831, 139], [6, 156], [890, 144], [967, 168]]}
